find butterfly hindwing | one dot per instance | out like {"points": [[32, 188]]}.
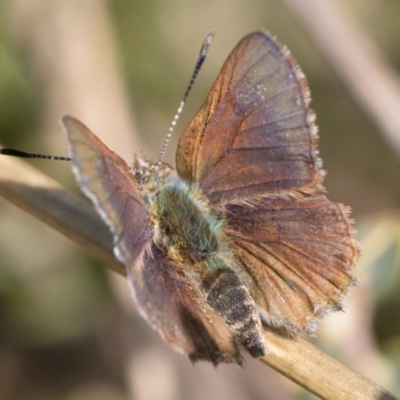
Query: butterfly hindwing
{"points": [[299, 255], [173, 302]]}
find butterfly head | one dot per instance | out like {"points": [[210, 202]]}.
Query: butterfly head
{"points": [[150, 174]]}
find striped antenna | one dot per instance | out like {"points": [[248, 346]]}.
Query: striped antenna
{"points": [[203, 53], [23, 154]]}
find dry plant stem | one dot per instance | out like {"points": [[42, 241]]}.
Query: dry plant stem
{"points": [[46, 200], [297, 359], [315, 371], [357, 61]]}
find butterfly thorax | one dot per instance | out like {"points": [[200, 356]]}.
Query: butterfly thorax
{"points": [[183, 222]]}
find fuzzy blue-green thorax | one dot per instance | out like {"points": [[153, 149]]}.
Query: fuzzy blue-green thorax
{"points": [[184, 224]]}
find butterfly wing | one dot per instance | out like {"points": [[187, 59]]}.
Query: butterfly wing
{"points": [[107, 180], [299, 255], [172, 302], [167, 296], [252, 148], [254, 132]]}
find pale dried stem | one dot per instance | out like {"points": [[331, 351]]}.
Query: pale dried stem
{"points": [[48, 201], [317, 372], [357, 60], [295, 358]]}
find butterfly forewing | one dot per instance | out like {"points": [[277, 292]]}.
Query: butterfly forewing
{"points": [[107, 180], [254, 133]]}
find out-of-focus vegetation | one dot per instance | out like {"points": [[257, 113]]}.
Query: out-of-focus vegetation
{"points": [[68, 329]]}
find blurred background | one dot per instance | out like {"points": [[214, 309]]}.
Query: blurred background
{"points": [[68, 329]]}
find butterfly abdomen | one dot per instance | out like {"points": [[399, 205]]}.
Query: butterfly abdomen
{"points": [[230, 298], [194, 239]]}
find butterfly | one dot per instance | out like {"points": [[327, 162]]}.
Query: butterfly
{"points": [[241, 234]]}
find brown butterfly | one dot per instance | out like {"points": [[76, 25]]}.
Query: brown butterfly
{"points": [[241, 233]]}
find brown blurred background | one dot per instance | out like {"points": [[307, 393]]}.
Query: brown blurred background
{"points": [[68, 329]]}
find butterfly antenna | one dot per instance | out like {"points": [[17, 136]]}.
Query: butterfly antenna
{"points": [[203, 53], [23, 154]]}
